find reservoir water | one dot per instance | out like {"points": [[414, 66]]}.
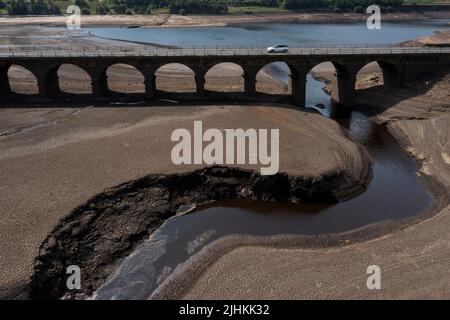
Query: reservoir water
{"points": [[395, 191], [266, 34]]}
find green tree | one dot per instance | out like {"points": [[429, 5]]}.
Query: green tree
{"points": [[19, 7], [102, 9], [82, 4], [358, 9]]}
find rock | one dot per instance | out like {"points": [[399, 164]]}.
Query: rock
{"points": [[320, 106]]}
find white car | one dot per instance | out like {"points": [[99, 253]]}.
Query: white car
{"points": [[278, 48]]}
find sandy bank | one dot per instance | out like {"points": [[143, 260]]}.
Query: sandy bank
{"points": [[438, 39]]}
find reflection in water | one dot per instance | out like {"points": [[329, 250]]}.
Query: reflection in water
{"points": [[394, 192]]}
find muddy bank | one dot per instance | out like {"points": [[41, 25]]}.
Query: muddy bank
{"points": [[100, 233], [172, 20], [333, 267], [418, 116], [193, 279], [57, 158]]}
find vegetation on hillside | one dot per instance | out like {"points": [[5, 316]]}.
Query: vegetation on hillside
{"points": [[37, 7]]}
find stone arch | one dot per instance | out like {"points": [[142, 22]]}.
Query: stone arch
{"points": [[377, 73], [274, 78], [124, 78], [339, 79], [21, 80], [225, 77], [327, 70], [324, 72], [73, 79], [175, 77]]}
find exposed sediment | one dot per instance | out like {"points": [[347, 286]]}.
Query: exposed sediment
{"points": [[413, 254], [438, 39], [97, 235], [50, 170], [37, 217]]}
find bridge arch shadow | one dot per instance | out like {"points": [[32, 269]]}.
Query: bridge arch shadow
{"points": [[225, 77], [175, 77], [274, 78]]}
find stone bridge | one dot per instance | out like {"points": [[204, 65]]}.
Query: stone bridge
{"points": [[398, 64]]}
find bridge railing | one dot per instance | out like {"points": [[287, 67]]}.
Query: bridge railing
{"points": [[135, 50]]}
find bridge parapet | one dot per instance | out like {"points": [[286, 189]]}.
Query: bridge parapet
{"points": [[146, 51]]}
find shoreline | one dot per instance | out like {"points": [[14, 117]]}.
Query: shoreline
{"points": [[228, 183], [180, 281], [172, 20]]}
